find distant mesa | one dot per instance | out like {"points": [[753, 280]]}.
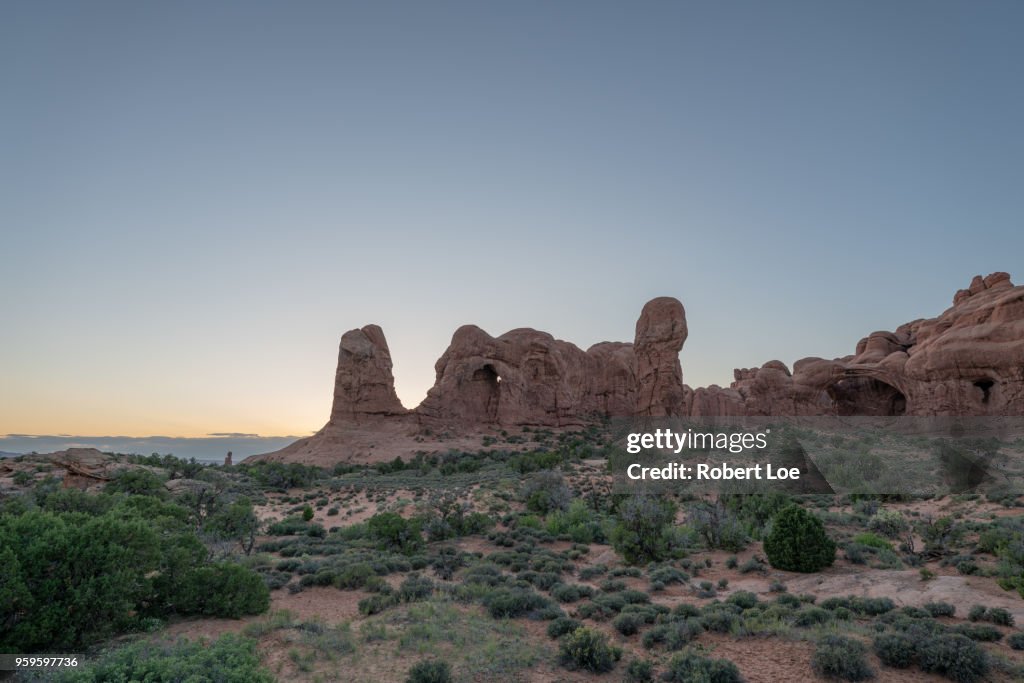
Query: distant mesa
{"points": [[967, 361]]}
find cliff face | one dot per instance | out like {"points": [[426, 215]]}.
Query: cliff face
{"points": [[967, 361], [363, 383]]}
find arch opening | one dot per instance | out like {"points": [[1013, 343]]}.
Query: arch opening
{"points": [[852, 396], [985, 388], [484, 391]]}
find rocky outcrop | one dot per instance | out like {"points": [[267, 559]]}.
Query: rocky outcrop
{"points": [[363, 383], [526, 377], [967, 361], [660, 335]]}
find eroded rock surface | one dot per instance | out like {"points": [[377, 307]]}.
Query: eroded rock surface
{"points": [[967, 361], [364, 383]]}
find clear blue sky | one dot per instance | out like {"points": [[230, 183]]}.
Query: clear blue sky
{"points": [[198, 198]]}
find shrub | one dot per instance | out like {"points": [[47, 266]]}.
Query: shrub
{"points": [[394, 532], [1016, 641], [628, 624], [717, 526], [742, 599], [639, 671], [415, 587], [307, 513], [545, 491], [644, 531], [872, 540], [889, 523], [229, 658], [138, 482], [841, 657], [675, 635], [570, 592], [689, 667], [940, 609], [430, 671], [376, 603], [798, 542], [999, 616], [562, 625], [720, 617], [811, 616], [752, 565], [223, 590], [980, 632], [505, 602], [587, 649], [895, 649], [954, 656]]}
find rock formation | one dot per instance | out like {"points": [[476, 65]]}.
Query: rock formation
{"points": [[660, 335], [967, 361], [363, 383]]}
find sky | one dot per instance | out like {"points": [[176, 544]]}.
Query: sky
{"points": [[198, 198]]}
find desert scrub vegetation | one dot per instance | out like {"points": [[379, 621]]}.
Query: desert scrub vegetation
{"points": [[587, 649], [798, 542], [842, 658], [430, 671], [645, 530], [690, 667], [229, 658], [80, 568]]}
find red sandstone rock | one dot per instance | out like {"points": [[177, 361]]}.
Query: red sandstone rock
{"points": [[660, 334], [363, 383], [967, 361]]}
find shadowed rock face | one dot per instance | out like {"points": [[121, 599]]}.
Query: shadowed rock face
{"points": [[967, 361]]}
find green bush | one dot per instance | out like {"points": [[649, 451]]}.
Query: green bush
{"points": [[71, 579], [628, 624], [223, 590], [644, 531], [689, 667], [940, 609], [415, 587], [888, 523], [1016, 641], [842, 658], [376, 603], [562, 625], [587, 649], [872, 540], [229, 659], [798, 542], [811, 616], [137, 481], [895, 649], [516, 602], [394, 532], [954, 656], [570, 592], [545, 491], [742, 599], [430, 671], [639, 671]]}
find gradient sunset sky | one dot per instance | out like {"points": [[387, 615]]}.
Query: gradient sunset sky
{"points": [[198, 198]]}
